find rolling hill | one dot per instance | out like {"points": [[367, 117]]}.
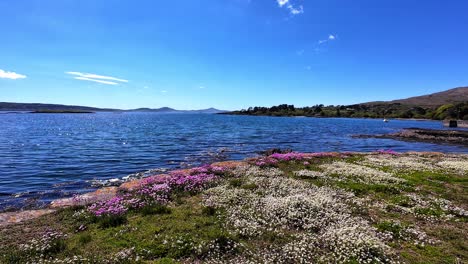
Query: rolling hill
{"points": [[452, 96], [6, 106]]}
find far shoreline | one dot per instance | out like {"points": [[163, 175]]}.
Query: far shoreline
{"points": [[62, 112], [338, 117]]}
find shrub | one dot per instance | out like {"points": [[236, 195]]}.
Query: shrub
{"points": [[84, 239], [107, 221], [155, 209]]}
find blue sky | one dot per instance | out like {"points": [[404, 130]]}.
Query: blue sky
{"points": [[229, 54]]}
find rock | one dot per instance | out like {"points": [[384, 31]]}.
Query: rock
{"points": [[229, 164], [457, 137], [269, 152], [132, 185], [16, 217], [87, 198]]}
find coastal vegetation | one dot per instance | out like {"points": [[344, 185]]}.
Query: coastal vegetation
{"points": [[284, 207], [375, 110], [450, 104]]}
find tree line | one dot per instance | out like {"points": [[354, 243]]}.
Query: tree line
{"points": [[383, 110]]}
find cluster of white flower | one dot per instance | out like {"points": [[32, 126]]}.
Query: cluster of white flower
{"points": [[125, 255], [319, 216], [419, 238], [359, 173], [220, 249], [354, 239], [81, 214], [459, 166], [45, 243], [125, 230], [68, 260], [400, 162], [430, 208], [311, 174], [302, 249], [413, 234], [248, 170]]}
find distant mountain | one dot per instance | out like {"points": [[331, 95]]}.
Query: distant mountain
{"points": [[208, 111], [171, 110], [159, 110], [5, 106], [455, 95]]}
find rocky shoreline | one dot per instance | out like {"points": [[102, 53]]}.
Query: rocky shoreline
{"points": [[101, 194], [457, 137]]}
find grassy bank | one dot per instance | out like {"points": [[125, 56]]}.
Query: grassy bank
{"points": [[284, 208]]}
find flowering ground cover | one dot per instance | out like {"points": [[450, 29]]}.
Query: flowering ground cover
{"points": [[381, 207]]}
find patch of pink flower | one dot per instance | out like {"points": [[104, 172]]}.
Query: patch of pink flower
{"points": [[273, 159], [114, 206], [159, 189]]}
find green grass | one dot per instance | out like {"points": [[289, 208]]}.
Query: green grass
{"points": [[156, 233], [392, 227]]}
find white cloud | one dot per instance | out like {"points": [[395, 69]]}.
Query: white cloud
{"points": [[97, 78], [11, 75], [293, 10], [94, 80], [330, 38], [163, 91], [281, 3]]}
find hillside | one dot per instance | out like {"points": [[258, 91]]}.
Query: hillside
{"points": [[5, 106], [455, 95]]}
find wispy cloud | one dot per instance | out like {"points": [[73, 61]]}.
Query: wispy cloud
{"points": [[330, 38], [94, 80], [11, 75], [293, 10], [97, 78]]}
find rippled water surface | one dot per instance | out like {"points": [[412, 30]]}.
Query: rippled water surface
{"points": [[45, 156]]}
